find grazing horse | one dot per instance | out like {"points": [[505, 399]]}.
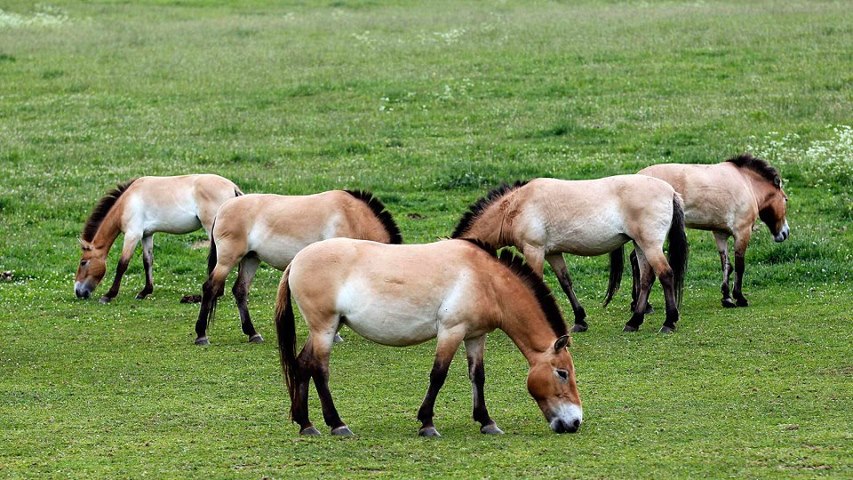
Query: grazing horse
{"points": [[545, 218], [139, 208], [273, 228], [401, 295], [727, 198]]}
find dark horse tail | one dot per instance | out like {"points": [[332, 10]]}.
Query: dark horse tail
{"points": [[617, 265], [678, 250], [285, 328]]}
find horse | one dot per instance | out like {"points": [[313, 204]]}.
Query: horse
{"points": [[727, 198], [546, 217], [139, 208], [400, 295], [273, 228]]}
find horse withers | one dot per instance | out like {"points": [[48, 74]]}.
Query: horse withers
{"points": [[546, 217], [273, 228], [399, 295], [727, 198], [139, 209]]}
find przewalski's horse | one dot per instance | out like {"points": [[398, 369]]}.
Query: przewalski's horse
{"points": [[727, 198], [273, 228], [140, 208], [401, 295], [545, 218]]}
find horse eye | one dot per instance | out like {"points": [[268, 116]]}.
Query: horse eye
{"points": [[563, 374], [83, 263]]}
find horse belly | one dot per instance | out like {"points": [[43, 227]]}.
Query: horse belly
{"points": [[172, 222], [393, 327], [593, 238]]}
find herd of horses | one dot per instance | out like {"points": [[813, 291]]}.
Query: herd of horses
{"points": [[345, 263]]}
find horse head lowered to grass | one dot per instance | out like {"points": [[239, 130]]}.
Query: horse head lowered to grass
{"points": [[139, 208], [398, 295]]}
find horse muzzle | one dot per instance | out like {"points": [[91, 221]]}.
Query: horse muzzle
{"points": [[82, 290], [783, 234], [567, 419]]}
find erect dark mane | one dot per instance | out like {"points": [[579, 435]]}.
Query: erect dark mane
{"points": [[533, 281], [758, 166], [378, 209], [102, 209], [478, 207]]}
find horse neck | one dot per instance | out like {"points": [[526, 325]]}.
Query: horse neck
{"points": [[108, 230], [762, 191], [524, 322], [491, 226]]}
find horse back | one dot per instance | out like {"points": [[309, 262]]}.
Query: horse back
{"points": [[716, 197], [390, 294]]}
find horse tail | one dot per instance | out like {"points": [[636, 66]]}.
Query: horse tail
{"points": [[285, 327], [211, 254], [617, 265], [678, 249]]}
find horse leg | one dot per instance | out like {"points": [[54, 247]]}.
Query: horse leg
{"points": [[635, 283], [558, 263], [474, 348], [130, 242], [246, 272], [446, 348], [656, 261], [212, 289], [722, 240], [740, 245], [147, 263], [321, 345], [299, 403], [647, 277]]}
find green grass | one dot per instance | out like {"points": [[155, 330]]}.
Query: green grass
{"points": [[428, 105]]}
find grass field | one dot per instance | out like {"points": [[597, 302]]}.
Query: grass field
{"points": [[427, 104]]}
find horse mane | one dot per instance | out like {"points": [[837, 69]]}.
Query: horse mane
{"points": [[102, 209], [381, 213], [759, 166], [478, 207], [533, 281]]}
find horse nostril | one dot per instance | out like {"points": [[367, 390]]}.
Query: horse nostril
{"points": [[574, 425]]}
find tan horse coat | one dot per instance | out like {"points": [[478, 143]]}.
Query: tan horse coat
{"points": [[273, 229], [139, 209], [400, 295], [727, 198]]}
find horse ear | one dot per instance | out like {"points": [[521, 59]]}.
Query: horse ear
{"points": [[561, 343], [84, 244]]}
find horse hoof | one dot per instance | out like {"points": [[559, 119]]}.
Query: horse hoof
{"points": [[580, 328], [342, 431], [106, 299], [309, 431], [741, 302], [629, 328], [667, 329], [728, 303], [491, 429], [256, 338], [338, 338], [202, 341], [141, 296], [428, 432]]}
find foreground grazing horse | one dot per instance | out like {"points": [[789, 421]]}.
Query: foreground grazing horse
{"points": [[727, 198], [139, 208], [545, 218], [400, 295], [273, 228]]}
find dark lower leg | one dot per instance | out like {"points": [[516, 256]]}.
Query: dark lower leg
{"points": [[299, 402], [210, 292], [666, 281], [559, 265], [740, 266], [120, 269], [147, 264], [647, 277], [477, 372], [241, 296], [321, 382], [436, 380]]}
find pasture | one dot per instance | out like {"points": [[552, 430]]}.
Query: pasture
{"points": [[428, 105]]}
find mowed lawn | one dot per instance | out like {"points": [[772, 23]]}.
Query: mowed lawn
{"points": [[429, 105]]}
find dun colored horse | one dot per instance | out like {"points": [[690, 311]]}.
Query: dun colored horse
{"points": [[400, 295], [273, 228], [545, 218], [727, 198], [140, 208]]}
